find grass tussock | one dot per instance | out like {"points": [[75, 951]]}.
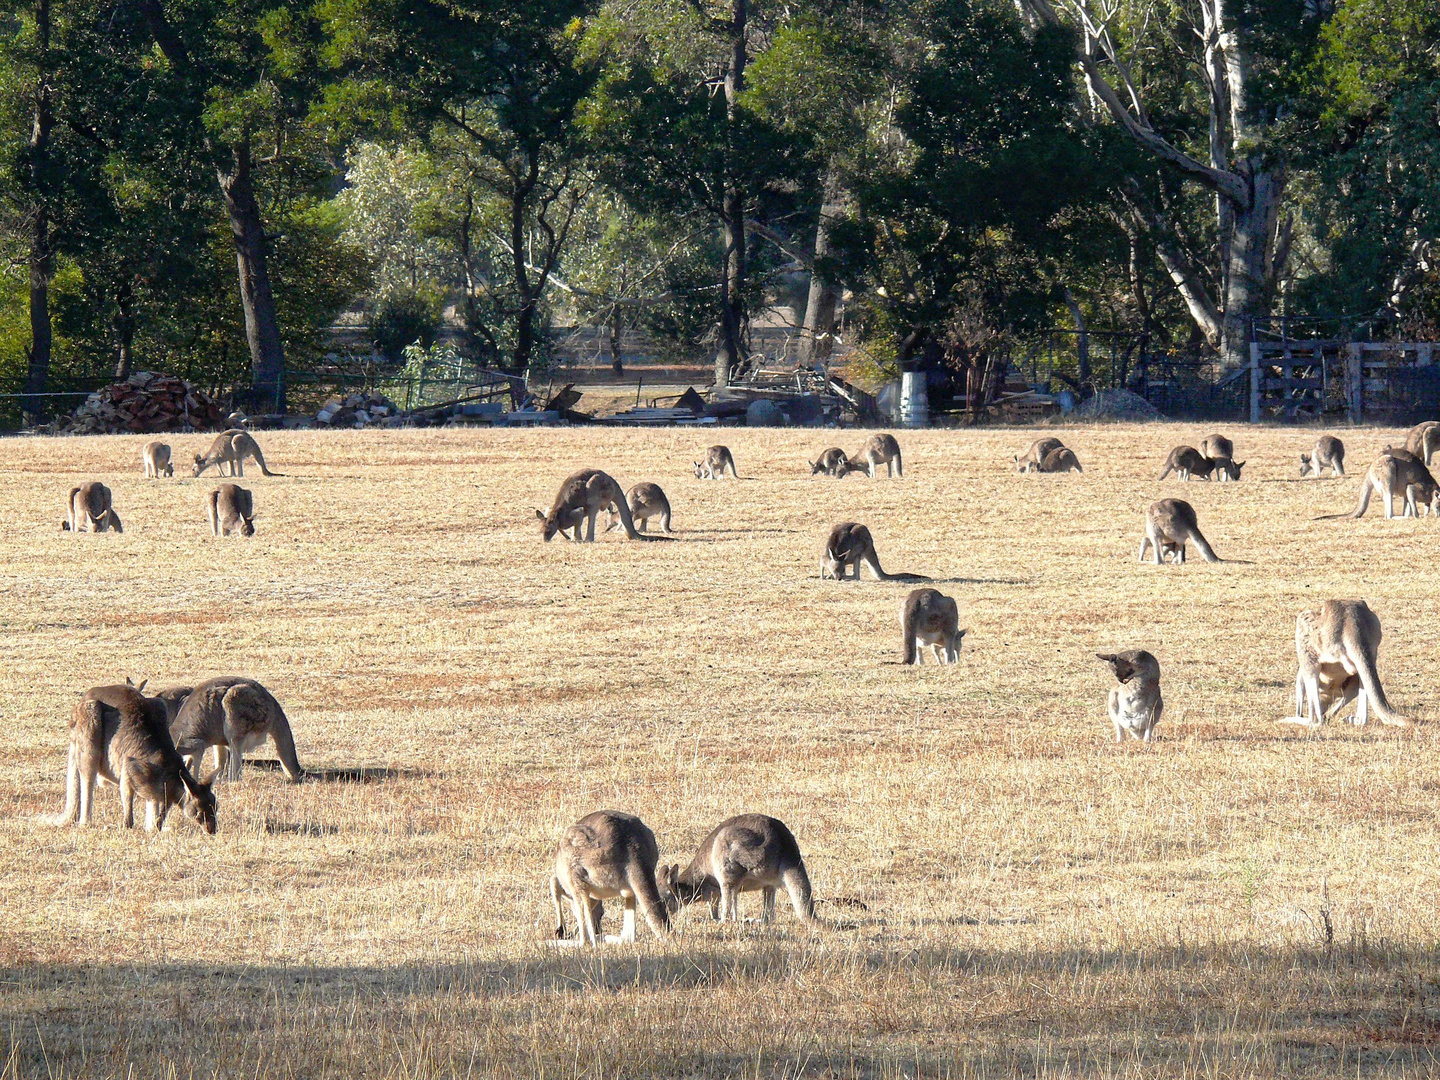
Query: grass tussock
{"points": [[1005, 891]]}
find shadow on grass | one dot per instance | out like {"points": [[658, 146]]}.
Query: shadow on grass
{"points": [[778, 1003], [354, 774]]}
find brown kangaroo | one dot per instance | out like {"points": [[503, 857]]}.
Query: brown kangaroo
{"points": [[580, 499], [90, 510], [604, 856], [230, 449], [120, 736], [232, 510], [235, 715], [748, 853]]}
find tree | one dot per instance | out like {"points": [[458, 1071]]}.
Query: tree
{"points": [[494, 91], [675, 133], [958, 201]]}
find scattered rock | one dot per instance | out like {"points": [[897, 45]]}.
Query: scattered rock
{"points": [[145, 402], [357, 410]]}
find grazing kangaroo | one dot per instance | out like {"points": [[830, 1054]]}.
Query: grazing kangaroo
{"points": [[747, 853], [878, 450], [90, 510], [1187, 462], [1329, 453], [1060, 460], [1396, 474], [604, 856], [1423, 440], [1337, 647], [235, 715], [120, 736], [232, 510], [1036, 454], [848, 545], [1217, 446], [1169, 525], [155, 456], [929, 617], [832, 463], [172, 697], [231, 448], [646, 500], [581, 497], [717, 460], [1135, 705]]}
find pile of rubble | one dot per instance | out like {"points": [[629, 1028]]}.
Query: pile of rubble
{"points": [[357, 410], [145, 402]]}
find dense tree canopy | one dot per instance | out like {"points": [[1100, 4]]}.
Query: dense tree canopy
{"points": [[203, 186]]}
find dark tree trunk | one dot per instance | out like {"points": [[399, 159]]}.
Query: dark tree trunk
{"points": [[1082, 337], [1248, 266], [732, 215], [125, 327], [262, 327], [617, 365], [525, 290], [817, 337], [41, 257]]}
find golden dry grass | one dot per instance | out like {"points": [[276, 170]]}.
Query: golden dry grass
{"points": [[1238, 899]]}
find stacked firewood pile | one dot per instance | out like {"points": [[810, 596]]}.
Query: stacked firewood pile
{"points": [[145, 402], [357, 410]]}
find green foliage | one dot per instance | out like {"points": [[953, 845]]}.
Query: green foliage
{"points": [[401, 320]]}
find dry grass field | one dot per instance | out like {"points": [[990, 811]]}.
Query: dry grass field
{"points": [[1005, 891]]}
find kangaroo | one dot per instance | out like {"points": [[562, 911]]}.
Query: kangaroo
{"points": [[231, 448], [90, 510], [929, 617], [1061, 460], [832, 463], [604, 856], [1337, 647], [848, 545], [1396, 473], [581, 497], [747, 853], [235, 715], [1135, 705], [1423, 440], [878, 450], [1169, 525], [119, 735], [717, 460], [155, 456], [1036, 454], [1329, 453], [1217, 446], [232, 510], [1185, 462], [172, 697], [646, 500]]}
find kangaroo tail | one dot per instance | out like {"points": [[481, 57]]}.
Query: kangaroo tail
{"points": [[1364, 503], [1206, 551], [623, 509], [907, 627], [1364, 662], [1168, 469], [899, 465], [264, 469], [559, 908], [797, 884]]}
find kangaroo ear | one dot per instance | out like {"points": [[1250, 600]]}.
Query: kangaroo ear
{"points": [[1109, 658], [1239, 464], [539, 515], [961, 633]]}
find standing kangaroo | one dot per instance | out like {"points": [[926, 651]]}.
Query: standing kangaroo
{"points": [[155, 457], [1397, 473], [231, 448], [579, 501], [1169, 525], [878, 450], [604, 856], [646, 500], [120, 736], [235, 715], [747, 853], [1135, 706], [1036, 454], [717, 460], [232, 510], [90, 510], [1337, 647], [1329, 453], [930, 618]]}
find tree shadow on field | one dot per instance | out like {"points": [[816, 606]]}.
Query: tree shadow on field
{"points": [[867, 1011]]}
